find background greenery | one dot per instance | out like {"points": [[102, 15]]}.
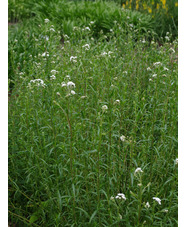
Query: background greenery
{"points": [[67, 161]]}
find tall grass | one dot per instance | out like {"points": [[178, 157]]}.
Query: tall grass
{"points": [[85, 115]]}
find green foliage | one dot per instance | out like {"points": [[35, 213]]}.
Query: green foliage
{"points": [[164, 14], [71, 154]]}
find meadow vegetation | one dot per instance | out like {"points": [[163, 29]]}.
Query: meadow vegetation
{"points": [[92, 116]]}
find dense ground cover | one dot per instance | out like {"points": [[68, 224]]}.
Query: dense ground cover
{"points": [[92, 113]]}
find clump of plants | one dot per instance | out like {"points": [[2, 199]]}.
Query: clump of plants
{"points": [[92, 127]]}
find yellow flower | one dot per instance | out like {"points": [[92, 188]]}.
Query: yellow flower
{"points": [[157, 6], [137, 6], [144, 6], [164, 2], [127, 3], [150, 10], [152, 2], [123, 5], [176, 4]]}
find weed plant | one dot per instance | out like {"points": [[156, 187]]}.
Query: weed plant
{"points": [[92, 127]]}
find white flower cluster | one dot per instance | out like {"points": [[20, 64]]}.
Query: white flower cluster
{"points": [[53, 77], [117, 102], [122, 138], [52, 29], [69, 85], [104, 108], [87, 28], [46, 20], [147, 205], [157, 63], [45, 54], [86, 46], [120, 196], [73, 59], [37, 82], [53, 71], [138, 170], [105, 53], [158, 200]]}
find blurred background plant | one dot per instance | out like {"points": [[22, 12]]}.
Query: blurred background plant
{"points": [[160, 15], [164, 13]]}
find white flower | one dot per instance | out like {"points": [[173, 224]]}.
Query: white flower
{"points": [[46, 20], [166, 211], [68, 77], [46, 37], [157, 63], [148, 69], [83, 97], [72, 92], [120, 196], [117, 101], [52, 77], [147, 205], [154, 75], [167, 38], [53, 71], [70, 84], [45, 54], [104, 53], [66, 36], [73, 58], [105, 107], [157, 200], [87, 28], [122, 138], [138, 170], [112, 198], [63, 84], [38, 82], [92, 22], [51, 29], [86, 46], [176, 161], [166, 69], [58, 94]]}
